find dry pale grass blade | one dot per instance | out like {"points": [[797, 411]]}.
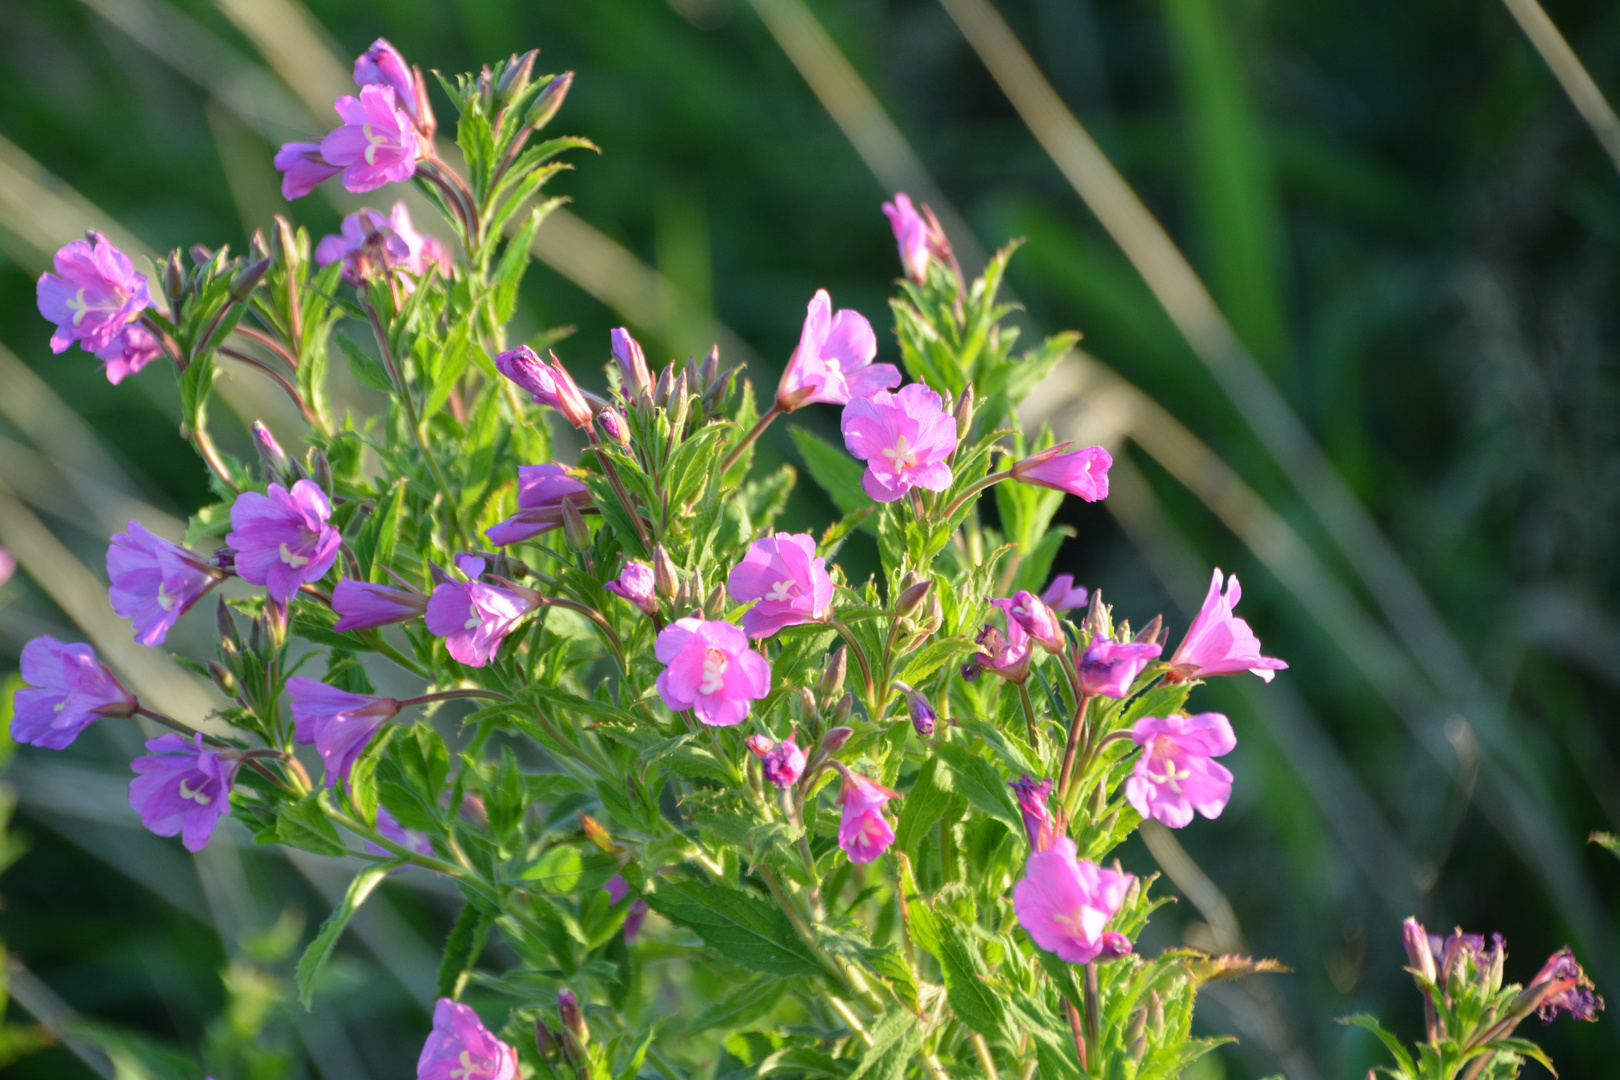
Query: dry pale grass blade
{"points": [[44, 484], [55, 1016], [1570, 72], [297, 48]]}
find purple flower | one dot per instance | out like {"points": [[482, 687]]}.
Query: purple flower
{"points": [[68, 690], [1032, 803], [1108, 667], [635, 584], [1220, 643], [389, 828], [1079, 472], [613, 425], [94, 293], [472, 617], [282, 539], [131, 349], [1007, 656], [303, 167], [370, 244], [911, 233], [617, 890], [1064, 595], [788, 581], [377, 143], [382, 65], [863, 832], [1065, 903], [833, 362], [1038, 621], [710, 669], [782, 763], [184, 787], [1175, 774], [542, 489], [339, 723], [633, 373], [904, 438], [363, 605], [1567, 989], [462, 1048], [547, 383], [154, 582]]}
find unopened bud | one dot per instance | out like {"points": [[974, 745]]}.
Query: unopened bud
{"points": [[200, 255], [665, 581], [515, 79], [576, 1035], [229, 639], [174, 281], [426, 122], [919, 708], [666, 379], [834, 741], [1155, 1012], [679, 402], [933, 615], [964, 412], [691, 594], [714, 605], [1150, 632], [831, 683], [711, 367], [284, 242], [845, 706], [320, 469], [224, 679], [550, 100], [247, 279], [277, 464], [1098, 624], [596, 834], [257, 249], [575, 531], [546, 1041], [614, 426], [912, 597]]}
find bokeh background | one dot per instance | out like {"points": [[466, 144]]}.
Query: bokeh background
{"points": [[1409, 452]]}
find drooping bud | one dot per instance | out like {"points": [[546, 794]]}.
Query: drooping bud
{"points": [[550, 100], [665, 580], [912, 596], [919, 708], [613, 426], [576, 533], [831, 683], [278, 466]]}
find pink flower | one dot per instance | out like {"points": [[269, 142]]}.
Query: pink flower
{"points": [[633, 373], [377, 143], [1079, 472], [462, 1048], [184, 787], [1175, 776], [1007, 656], [788, 581], [710, 669], [918, 235], [833, 362], [548, 384], [1065, 903], [1031, 613], [68, 690], [635, 584], [1064, 595], [369, 243], [131, 349], [282, 538], [363, 605], [339, 723], [782, 763], [863, 832], [542, 489], [303, 167], [904, 438], [94, 293], [155, 582], [472, 617], [382, 65], [617, 890], [1220, 643], [1039, 827], [1108, 667]]}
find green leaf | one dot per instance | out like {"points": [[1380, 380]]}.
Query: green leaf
{"points": [[895, 1038], [889, 965], [195, 384], [838, 474], [746, 931], [974, 1002], [366, 370], [1370, 1023], [461, 948], [930, 796], [751, 1001], [315, 956], [374, 547], [983, 786], [304, 825]]}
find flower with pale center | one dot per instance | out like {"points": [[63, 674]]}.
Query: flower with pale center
{"points": [[863, 832], [1176, 774], [904, 438], [155, 582], [339, 723], [460, 1047], [474, 617], [709, 668], [786, 580], [1220, 643], [377, 143], [183, 787], [1065, 903], [282, 539], [93, 295], [67, 689], [833, 363]]}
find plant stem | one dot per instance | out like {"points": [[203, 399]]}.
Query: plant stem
{"points": [[1073, 748], [1029, 715], [973, 489], [748, 440], [210, 454], [1093, 1007], [619, 489], [988, 1063], [268, 341], [860, 658], [1077, 1031], [280, 379], [450, 695], [398, 376]]}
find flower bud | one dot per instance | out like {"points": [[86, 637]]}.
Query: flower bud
{"points": [[576, 1035], [576, 533], [912, 597], [920, 709], [665, 582], [632, 362], [277, 465], [596, 834], [426, 122], [515, 78], [841, 711], [666, 379], [546, 1041], [200, 255], [614, 426], [831, 683], [230, 641], [806, 701], [550, 100], [1418, 952], [714, 605], [247, 279], [284, 243], [224, 679], [256, 247], [1098, 624], [964, 412], [320, 469], [1150, 632], [932, 617], [691, 594], [174, 281], [834, 740], [679, 403], [711, 367]]}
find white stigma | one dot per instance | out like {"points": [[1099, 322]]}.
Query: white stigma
{"points": [[372, 142], [294, 561], [194, 794], [902, 456], [783, 590], [715, 663]]}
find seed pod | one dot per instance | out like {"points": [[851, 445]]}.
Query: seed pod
{"points": [[550, 100], [831, 683], [665, 581]]}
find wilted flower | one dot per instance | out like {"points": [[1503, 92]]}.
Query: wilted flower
{"points": [[1064, 595], [1065, 902], [1039, 827], [339, 723], [68, 690], [1108, 667], [93, 295], [369, 243], [547, 383], [1175, 774], [788, 581], [462, 1048], [377, 143], [1079, 472], [282, 539], [154, 582], [1038, 621], [635, 583], [782, 763], [542, 489], [904, 438], [1220, 643], [363, 605], [710, 669], [863, 832], [474, 617], [183, 787], [1567, 989], [833, 363]]}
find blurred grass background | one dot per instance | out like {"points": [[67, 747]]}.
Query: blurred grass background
{"points": [[1408, 451]]}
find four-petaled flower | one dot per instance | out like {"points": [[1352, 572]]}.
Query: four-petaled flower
{"points": [[282, 539], [782, 763], [154, 582], [1220, 643], [474, 617], [833, 363], [863, 832], [1065, 903], [904, 438], [92, 297], [370, 244], [1175, 774], [710, 669], [184, 787], [460, 1047], [1064, 595], [377, 143], [1079, 472], [542, 489], [787, 580], [68, 690], [363, 605], [1108, 667], [339, 723]]}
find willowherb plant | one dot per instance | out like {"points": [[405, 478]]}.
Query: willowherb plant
{"points": [[873, 817]]}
